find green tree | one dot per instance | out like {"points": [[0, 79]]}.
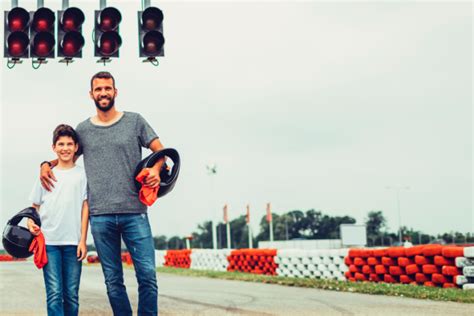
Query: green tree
{"points": [[176, 242], [160, 242], [203, 238]]}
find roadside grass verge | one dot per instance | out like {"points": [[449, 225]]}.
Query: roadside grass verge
{"points": [[401, 290]]}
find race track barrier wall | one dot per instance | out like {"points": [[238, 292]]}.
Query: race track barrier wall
{"points": [[320, 263], [257, 261], [428, 265]]}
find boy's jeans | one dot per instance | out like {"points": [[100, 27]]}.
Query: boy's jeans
{"points": [[136, 233], [61, 277]]}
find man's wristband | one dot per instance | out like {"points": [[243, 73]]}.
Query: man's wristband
{"points": [[49, 164]]}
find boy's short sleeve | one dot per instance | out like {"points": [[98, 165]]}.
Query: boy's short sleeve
{"points": [[146, 134], [37, 193], [84, 187]]}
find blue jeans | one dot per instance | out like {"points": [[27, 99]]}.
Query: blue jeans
{"points": [[61, 277], [136, 233]]}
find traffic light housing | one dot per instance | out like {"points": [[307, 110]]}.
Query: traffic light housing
{"points": [[107, 40], [70, 39], [16, 33], [150, 29], [42, 33]]}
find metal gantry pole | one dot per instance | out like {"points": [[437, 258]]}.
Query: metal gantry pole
{"points": [[397, 192], [14, 3], [65, 4], [103, 4], [39, 3]]}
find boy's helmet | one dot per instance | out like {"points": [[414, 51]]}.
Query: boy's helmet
{"points": [[168, 175], [17, 239]]}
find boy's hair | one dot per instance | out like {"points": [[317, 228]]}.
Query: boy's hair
{"points": [[64, 130], [103, 75]]}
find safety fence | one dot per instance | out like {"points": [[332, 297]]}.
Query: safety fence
{"points": [[257, 261], [320, 263], [427, 265]]}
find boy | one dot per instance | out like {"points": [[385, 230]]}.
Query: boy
{"points": [[64, 214]]}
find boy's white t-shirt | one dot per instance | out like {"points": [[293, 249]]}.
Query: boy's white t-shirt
{"points": [[61, 209]]}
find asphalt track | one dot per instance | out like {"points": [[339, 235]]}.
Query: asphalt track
{"points": [[22, 293]]}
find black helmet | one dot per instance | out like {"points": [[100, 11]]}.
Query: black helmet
{"points": [[168, 177], [17, 239]]}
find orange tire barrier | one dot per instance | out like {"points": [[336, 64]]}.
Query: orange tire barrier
{"points": [[421, 278], [449, 285], [7, 257], [440, 279], [422, 260], [374, 278], [396, 252], [348, 261], [360, 277], [387, 278], [414, 251], [127, 258], [412, 269], [256, 261], [380, 269], [387, 261], [450, 270], [372, 261], [380, 252], [405, 279], [442, 261], [404, 261], [432, 250], [429, 265], [359, 262], [396, 270], [368, 269], [430, 269], [452, 252], [178, 258]]}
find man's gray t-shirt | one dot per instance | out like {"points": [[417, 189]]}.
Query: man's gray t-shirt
{"points": [[111, 154]]}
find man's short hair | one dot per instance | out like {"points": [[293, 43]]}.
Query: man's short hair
{"points": [[103, 75], [65, 130]]}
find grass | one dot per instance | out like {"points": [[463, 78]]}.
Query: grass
{"points": [[401, 290]]}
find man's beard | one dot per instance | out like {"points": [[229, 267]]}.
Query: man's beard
{"points": [[108, 107]]}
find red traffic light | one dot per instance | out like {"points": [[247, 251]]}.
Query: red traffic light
{"points": [[17, 44], [109, 19], [72, 43], [152, 18], [153, 41], [18, 19], [72, 19], [109, 43], [43, 20], [43, 44]]}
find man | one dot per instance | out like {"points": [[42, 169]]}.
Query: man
{"points": [[111, 144]]}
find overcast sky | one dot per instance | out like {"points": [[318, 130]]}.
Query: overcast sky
{"points": [[302, 104]]}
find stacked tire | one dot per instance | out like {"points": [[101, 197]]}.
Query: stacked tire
{"points": [[178, 258], [208, 259], [315, 264], [428, 265], [466, 263], [257, 261]]}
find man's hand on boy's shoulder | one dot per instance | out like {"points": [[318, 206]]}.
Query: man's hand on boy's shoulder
{"points": [[32, 227], [81, 251], [47, 177]]}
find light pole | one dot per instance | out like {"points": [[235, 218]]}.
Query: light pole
{"points": [[211, 171], [397, 190]]}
